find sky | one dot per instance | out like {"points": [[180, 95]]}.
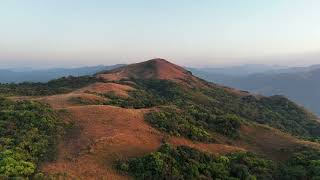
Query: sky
{"points": [[59, 33]]}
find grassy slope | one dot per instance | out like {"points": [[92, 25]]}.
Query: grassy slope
{"points": [[122, 133], [216, 108]]}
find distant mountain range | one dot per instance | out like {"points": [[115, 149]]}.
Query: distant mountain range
{"points": [[241, 70], [29, 75], [301, 84]]}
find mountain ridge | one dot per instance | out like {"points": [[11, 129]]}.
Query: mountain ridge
{"points": [[300, 84]]}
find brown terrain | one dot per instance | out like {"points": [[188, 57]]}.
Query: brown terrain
{"points": [[103, 134], [152, 69], [117, 89]]}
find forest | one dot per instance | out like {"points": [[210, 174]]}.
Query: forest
{"points": [[56, 86], [182, 162], [29, 133]]}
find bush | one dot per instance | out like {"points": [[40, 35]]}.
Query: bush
{"points": [[303, 164], [227, 125], [177, 124]]}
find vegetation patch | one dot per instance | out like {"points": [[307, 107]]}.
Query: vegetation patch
{"points": [[29, 133], [57, 86], [215, 108], [84, 101], [194, 120], [182, 162], [178, 124], [303, 164], [148, 93], [187, 163]]}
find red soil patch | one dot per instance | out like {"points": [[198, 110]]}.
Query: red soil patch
{"points": [[117, 89]]}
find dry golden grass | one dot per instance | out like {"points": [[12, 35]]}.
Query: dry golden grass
{"points": [[106, 134], [117, 89], [63, 100], [211, 148]]}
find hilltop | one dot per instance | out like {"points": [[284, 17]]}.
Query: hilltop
{"points": [[131, 111], [151, 69]]}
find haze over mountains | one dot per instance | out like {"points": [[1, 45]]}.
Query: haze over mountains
{"points": [[44, 75], [301, 84]]}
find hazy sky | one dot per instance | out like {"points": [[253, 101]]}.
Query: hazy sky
{"points": [[188, 32]]}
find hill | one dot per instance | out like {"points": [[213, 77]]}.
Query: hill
{"points": [[116, 121], [299, 84]]}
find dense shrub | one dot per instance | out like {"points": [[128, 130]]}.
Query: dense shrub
{"points": [[187, 163], [276, 111], [279, 112], [85, 101], [149, 93], [303, 164], [226, 124], [29, 132], [178, 124], [137, 99]]}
